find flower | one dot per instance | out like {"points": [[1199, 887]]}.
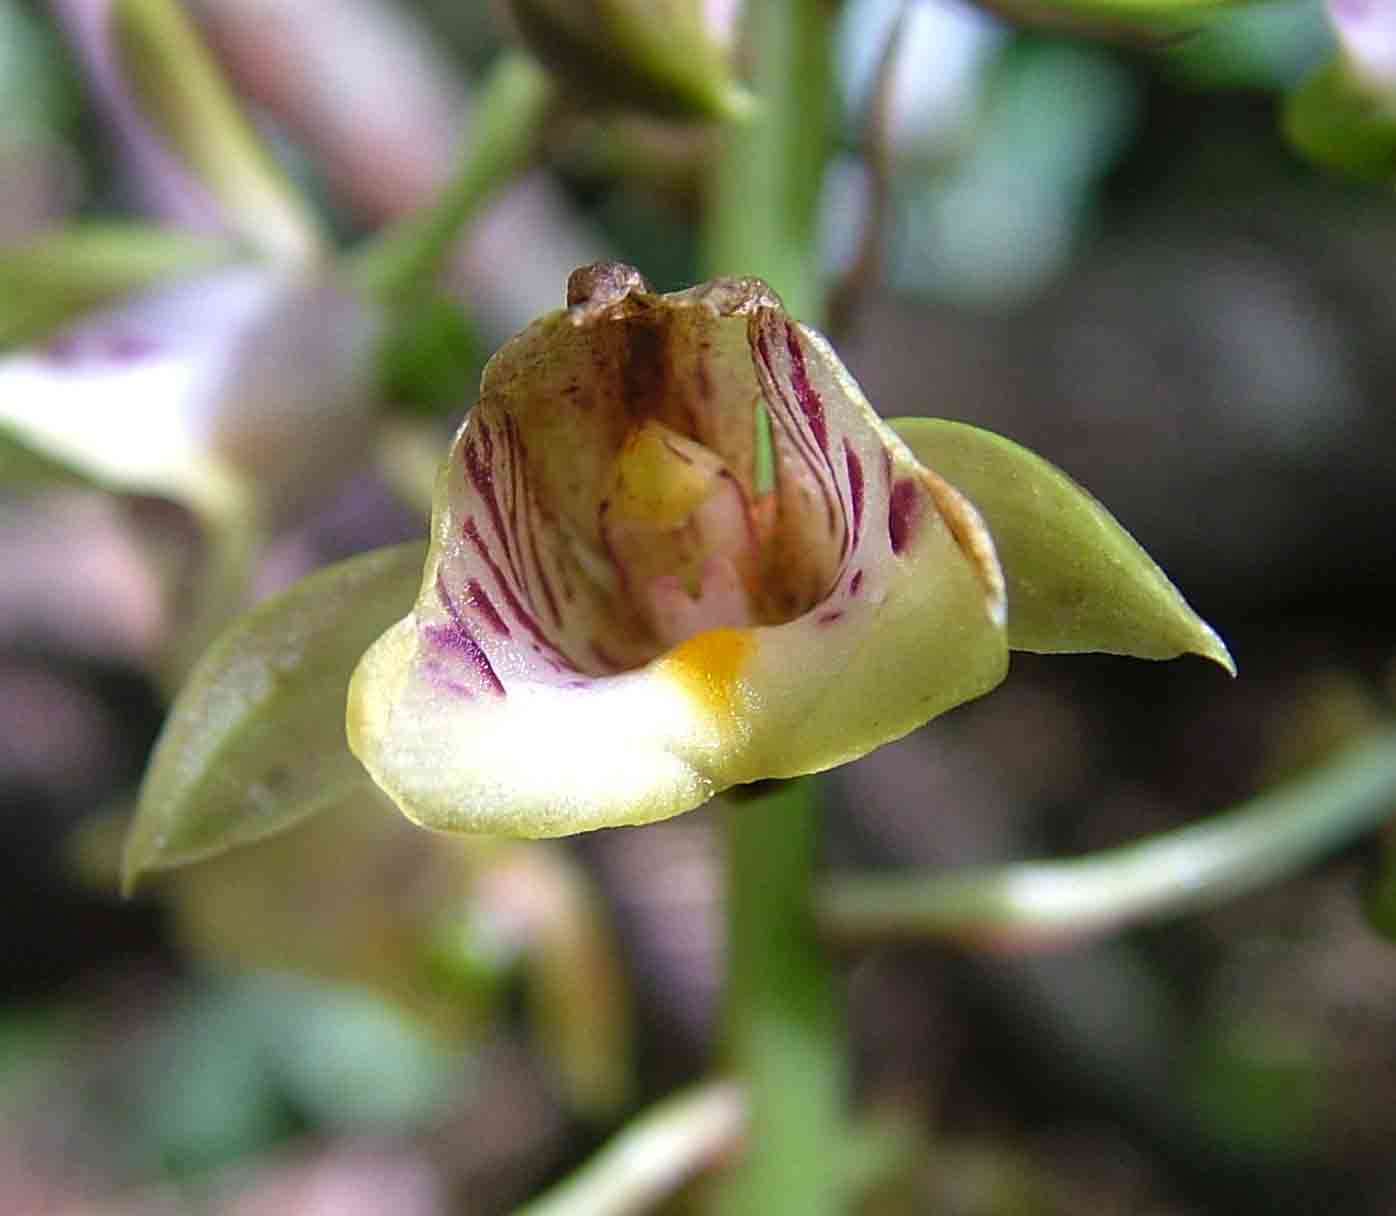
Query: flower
{"points": [[247, 374], [244, 395], [622, 615]]}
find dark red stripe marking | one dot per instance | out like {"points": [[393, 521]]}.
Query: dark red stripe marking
{"points": [[518, 494], [481, 602], [805, 393], [799, 435], [516, 609], [457, 636], [478, 451], [855, 485]]}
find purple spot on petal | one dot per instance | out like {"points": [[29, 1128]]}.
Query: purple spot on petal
{"points": [[129, 347], [903, 512], [855, 584], [63, 349], [100, 347], [828, 618], [436, 672], [855, 484]]}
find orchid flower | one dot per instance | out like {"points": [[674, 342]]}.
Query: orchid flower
{"points": [[242, 375], [242, 394], [629, 604]]}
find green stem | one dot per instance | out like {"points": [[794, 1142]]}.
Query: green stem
{"points": [[784, 1032], [515, 99], [765, 207], [184, 94], [764, 213], [651, 1158], [1046, 903]]}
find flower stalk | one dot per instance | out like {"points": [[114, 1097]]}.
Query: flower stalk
{"points": [[514, 101], [783, 1025], [783, 1021], [184, 94]]}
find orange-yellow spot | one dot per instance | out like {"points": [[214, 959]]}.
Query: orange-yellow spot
{"points": [[709, 666]]}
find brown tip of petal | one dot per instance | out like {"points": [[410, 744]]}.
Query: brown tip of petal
{"points": [[604, 283], [971, 534]]}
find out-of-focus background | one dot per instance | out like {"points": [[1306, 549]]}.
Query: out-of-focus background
{"points": [[1105, 251]]}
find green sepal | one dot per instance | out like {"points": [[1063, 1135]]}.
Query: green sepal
{"points": [[255, 741], [1077, 581], [1342, 125]]}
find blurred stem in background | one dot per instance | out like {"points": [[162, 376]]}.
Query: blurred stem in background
{"points": [[513, 103], [1041, 904], [652, 1157], [784, 1028], [183, 92]]}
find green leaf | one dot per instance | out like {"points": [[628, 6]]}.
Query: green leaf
{"points": [[1340, 124], [255, 741], [1077, 581]]}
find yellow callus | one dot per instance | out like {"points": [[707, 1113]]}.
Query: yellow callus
{"points": [[661, 477]]}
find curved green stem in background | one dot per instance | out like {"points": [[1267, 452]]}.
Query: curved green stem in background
{"points": [[652, 1157], [513, 103], [183, 92], [1040, 904]]}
